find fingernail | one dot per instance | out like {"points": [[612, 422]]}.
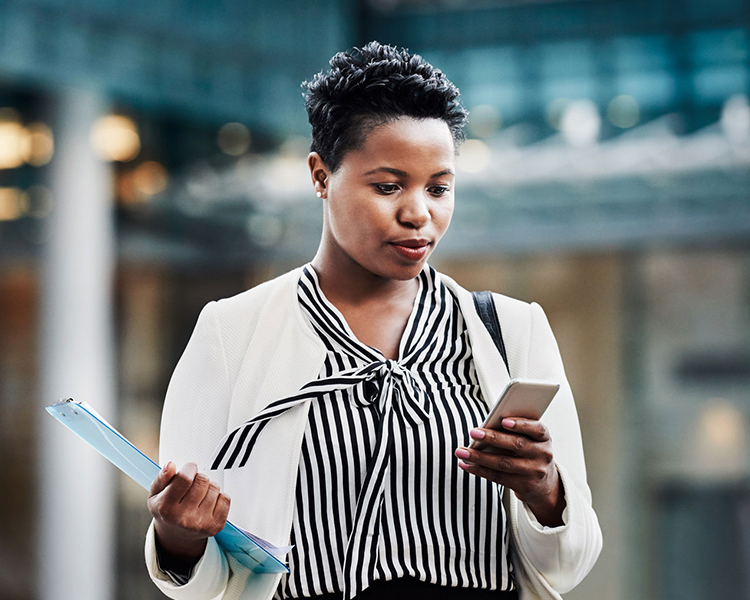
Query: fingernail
{"points": [[477, 434], [462, 453], [508, 423], [165, 467], [463, 465]]}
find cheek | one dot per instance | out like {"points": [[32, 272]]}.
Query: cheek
{"points": [[442, 216], [354, 219], [369, 214]]}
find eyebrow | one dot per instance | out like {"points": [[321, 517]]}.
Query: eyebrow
{"points": [[404, 174]]}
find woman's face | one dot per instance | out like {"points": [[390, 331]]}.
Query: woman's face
{"points": [[389, 203]]}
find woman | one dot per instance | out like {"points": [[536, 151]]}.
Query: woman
{"points": [[336, 403]]}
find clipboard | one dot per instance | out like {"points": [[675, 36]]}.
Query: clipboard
{"points": [[249, 550]]}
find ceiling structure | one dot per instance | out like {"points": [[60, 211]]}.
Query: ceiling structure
{"points": [[594, 123]]}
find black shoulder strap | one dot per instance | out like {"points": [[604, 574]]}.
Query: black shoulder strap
{"points": [[485, 306]]}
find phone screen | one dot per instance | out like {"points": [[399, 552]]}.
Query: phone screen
{"points": [[521, 398]]}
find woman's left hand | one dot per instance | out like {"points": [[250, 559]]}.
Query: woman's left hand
{"points": [[523, 463]]}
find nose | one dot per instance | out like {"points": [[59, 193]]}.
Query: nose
{"points": [[414, 211]]}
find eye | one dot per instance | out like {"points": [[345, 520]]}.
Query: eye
{"points": [[385, 188], [438, 190]]}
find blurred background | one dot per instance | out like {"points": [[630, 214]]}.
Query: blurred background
{"points": [[152, 158]]}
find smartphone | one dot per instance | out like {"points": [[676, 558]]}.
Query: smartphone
{"points": [[523, 398]]}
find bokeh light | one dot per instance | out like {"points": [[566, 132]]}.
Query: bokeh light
{"points": [[474, 157], [39, 146], [115, 138], [485, 121], [288, 175], [721, 441], [13, 203], [150, 178], [13, 138], [581, 123], [265, 230], [623, 111], [233, 139], [146, 180]]}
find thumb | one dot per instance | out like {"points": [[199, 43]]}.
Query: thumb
{"points": [[163, 478]]}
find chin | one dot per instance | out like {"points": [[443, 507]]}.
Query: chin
{"points": [[413, 274], [388, 266], [404, 272]]}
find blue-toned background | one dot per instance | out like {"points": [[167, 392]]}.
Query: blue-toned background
{"points": [[152, 158]]}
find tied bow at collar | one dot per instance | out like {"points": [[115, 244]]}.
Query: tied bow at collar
{"points": [[384, 384]]}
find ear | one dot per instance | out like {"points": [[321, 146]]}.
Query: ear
{"points": [[319, 174]]}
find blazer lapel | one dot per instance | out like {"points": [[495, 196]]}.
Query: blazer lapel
{"points": [[284, 354]]}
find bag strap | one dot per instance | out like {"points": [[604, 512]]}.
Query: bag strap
{"points": [[485, 306]]}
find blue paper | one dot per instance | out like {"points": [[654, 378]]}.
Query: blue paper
{"points": [[83, 420]]}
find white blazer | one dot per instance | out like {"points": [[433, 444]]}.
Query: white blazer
{"points": [[256, 347]]}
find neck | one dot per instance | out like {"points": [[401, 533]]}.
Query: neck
{"points": [[346, 282]]}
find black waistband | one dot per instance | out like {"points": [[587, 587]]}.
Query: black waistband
{"points": [[408, 588]]}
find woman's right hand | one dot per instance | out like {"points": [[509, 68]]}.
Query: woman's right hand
{"points": [[188, 508]]}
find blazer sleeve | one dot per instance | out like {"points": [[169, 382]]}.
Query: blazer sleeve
{"points": [[562, 555], [194, 418]]}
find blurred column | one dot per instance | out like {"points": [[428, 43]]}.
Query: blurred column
{"points": [[77, 486]]}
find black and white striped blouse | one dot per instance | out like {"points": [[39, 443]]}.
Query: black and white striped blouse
{"points": [[380, 495]]}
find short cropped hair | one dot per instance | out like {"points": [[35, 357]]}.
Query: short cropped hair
{"points": [[372, 86]]}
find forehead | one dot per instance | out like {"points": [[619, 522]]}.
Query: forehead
{"points": [[421, 143]]}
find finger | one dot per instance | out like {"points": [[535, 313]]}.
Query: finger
{"points": [[198, 490], [505, 479], [505, 442], [502, 463], [536, 430], [494, 476], [221, 509], [212, 494], [162, 479], [180, 483]]}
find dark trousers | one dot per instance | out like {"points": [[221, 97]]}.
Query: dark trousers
{"points": [[408, 588]]}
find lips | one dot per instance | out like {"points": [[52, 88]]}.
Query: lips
{"points": [[411, 249]]}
